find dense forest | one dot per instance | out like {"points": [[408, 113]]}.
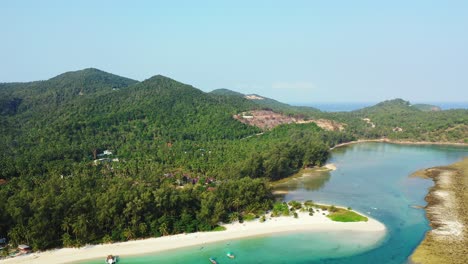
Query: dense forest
{"points": [[395, 119], [400, 121], [90, 157]]}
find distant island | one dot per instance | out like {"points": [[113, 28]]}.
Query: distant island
{"points": [[84, 147]]}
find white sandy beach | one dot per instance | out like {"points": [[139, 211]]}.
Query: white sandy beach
{"points": [[317, 222], [330, 166]]}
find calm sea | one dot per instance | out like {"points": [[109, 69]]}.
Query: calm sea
{"points": [[346, 107], [371, 178]]}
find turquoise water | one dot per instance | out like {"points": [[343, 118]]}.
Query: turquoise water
{"points": [[371, 178]]}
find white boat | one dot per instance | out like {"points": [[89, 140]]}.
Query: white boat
{"points": [[111, 259]]}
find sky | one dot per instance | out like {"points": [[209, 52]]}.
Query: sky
{"points": [[292, 51]]}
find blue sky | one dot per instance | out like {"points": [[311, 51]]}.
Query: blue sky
{"points": [[293, 51]]}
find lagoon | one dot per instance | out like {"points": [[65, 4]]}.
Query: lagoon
{"points": [[371, 178]]}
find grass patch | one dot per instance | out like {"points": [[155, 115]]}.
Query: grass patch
{"points": [[249, 217], [343, 215], [280, 209], [218, 228]]}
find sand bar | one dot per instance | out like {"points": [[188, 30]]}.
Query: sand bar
{"points": [[401, 142], [317, 222]]}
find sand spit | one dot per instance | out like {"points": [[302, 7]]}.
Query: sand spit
{"points": [[386, 140]]}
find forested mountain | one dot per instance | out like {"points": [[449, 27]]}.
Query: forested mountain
{"points": [[427, 107], [90, 157], [41, 95], [226, 92], [399, 120], [395, 119], [261, 102]]}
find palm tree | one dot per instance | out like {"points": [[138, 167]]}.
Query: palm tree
{"points": [[128, 233], [163, 229], [236, 203], [66, 224]]}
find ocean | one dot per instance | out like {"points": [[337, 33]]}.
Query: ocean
{"points": [[351, 106]]}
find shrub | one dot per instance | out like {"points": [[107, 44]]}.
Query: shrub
{"points": [[218, 228], [67, 241], [233, 217], [107, 239], [241, 219], [249, 217], [280, 209], [295, 204], [309, 203]]}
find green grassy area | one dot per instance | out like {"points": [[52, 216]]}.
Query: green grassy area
{"points": [[250, 217], [343, 215], [218, 228]]}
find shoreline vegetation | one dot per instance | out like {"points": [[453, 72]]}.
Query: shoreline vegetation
{"points": [[446, 210], [386, 140], [297, 217], [141, 246]]}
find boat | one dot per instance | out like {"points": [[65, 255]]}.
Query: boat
{"points": [[213, 261], [111, 259], [230, 255]]}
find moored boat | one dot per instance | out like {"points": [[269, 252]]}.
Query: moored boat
{"points": [[111, 259], [213, 261], [230, 255]]}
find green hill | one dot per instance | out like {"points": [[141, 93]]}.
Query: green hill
{"points": [[260, 102], [148, 114], [92, 157], [226, 92], [427, 107], [399, 120], [40, 95], [389, 106]]}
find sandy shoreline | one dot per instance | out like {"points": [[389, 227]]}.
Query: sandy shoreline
{"points": [[446, 210], [386, 140], [330, 166], [317, 222]]}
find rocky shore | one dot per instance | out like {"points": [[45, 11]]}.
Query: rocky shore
{"points": [[447, 210]]}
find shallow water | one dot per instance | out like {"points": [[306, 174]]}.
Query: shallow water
{"points": [[371, 178]]}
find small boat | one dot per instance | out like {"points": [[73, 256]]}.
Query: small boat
{"points": [[213, 261], [230, 255], [111, 259]]}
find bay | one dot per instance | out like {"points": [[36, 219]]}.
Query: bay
{"points": [[371, 178]]}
